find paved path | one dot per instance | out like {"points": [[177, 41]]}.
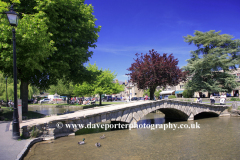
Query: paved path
{"points": [[10, 148]]}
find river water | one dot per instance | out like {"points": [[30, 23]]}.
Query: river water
{"points": [[53, 110], [217, 138]]}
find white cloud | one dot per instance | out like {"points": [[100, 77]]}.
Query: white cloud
{"points": [[130, 50]]}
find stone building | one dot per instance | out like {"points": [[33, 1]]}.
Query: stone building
{"points": [[131, 90]]}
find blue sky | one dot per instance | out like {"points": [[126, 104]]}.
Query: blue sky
{"points": [[137, 26]]}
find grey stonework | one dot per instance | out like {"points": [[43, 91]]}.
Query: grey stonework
{"points": [[128, 113]]}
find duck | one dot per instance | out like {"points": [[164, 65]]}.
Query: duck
{"points": [[102, 137], [98, 144], [81, 142]]}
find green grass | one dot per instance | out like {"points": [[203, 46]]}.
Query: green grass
{"points": [[8, 114], [234, 99]]}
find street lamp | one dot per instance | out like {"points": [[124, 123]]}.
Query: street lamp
{"points": [[13, 20], [129, 87], [6, 91]]}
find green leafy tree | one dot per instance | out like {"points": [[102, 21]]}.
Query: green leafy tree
{"points": [[211, 64], [187, 93], [53, 40], [103, 84], [10, 89], [157, 93], [63, 89], [146, 92]]}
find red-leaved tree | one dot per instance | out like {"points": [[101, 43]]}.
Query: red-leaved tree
{"points": [[152, 70]]}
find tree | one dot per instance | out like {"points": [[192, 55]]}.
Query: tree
{"points": [[187, 93], [104, 83], [156, 93], [211, 64], [152, 70], [63, 89], [10, 89], [146, 92], [53, 40]]}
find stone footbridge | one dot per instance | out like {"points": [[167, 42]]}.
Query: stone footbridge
{"points": [[126, 113]]}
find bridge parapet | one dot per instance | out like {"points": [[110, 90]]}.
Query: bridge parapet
{"points": [[129, 113]]}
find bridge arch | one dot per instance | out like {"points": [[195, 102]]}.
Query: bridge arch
{"points": [[173, 113], [128, 113], [205, 115]]}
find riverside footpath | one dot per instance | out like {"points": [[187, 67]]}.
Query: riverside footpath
{"points": [[11, 149]]}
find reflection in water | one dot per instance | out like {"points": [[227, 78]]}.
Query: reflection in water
{"points": [[218, 138], [152, 119], [53, 110]]}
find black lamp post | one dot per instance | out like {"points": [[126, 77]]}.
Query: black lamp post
{"points": [[13, 20], [6, 91]]}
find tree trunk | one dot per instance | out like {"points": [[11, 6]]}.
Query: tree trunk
{"points": [[152, 90], [24, 96], [100, 102]]}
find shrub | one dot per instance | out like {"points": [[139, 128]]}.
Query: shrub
{"points": [[171, 97], [234, 99], [34, 133], [188, 94]]}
